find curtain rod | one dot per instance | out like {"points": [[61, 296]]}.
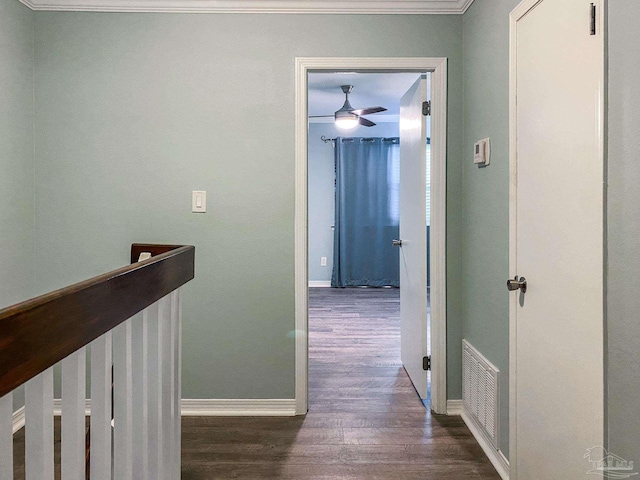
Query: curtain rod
{"points": [[370, 139]]}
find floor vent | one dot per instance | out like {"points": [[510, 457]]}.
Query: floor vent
{"points": [[480, 391]]}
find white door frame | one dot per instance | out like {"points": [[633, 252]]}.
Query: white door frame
{"points": [[438, 69], [518, 13]]}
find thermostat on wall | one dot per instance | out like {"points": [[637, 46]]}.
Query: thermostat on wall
{"points": [[482, 152]]}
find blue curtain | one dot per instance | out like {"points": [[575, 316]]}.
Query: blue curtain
{"points": [[367, 210]]}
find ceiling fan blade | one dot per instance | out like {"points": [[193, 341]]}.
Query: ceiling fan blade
{"points": [[370, 110], [321, 116], [365, 122]]}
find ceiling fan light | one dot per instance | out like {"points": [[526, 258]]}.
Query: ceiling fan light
{"points": [[346, 121]]}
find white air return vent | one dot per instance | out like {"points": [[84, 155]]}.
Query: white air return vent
{"points": [[480, 391]]}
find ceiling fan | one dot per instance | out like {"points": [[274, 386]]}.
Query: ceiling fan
{"points": [[348, 117]]}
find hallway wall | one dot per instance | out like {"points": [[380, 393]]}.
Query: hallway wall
{"points": [[16, 153], [623, 210], [485, 197], [134, 111], [17, 202]]}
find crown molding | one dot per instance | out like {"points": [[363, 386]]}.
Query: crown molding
{"points": [[386, 7]]}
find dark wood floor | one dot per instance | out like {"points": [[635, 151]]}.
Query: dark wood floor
{"points": [[365, 420]]}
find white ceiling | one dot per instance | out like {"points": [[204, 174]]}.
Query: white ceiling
{"points": [[256, 6], [369, 90]]}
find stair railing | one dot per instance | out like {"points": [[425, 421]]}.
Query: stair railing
{"points": [[133, 363]]}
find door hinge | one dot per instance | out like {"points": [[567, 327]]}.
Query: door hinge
{"points": [[426, 362], [426, 108], [593, 19]]}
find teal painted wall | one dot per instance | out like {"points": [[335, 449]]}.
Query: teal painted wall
{"points": [[623, 211], [134, 111], [322, 192], [17, 205], [16, 153], [485, 191]]}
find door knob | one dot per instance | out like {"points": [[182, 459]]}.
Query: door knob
{"points": [[516, 284], [396, 243]]}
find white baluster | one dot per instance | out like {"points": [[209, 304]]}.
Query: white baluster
{"points": [[39, 426], [176, 319], [6, 437], [122, 407], [74, 369], [167, 368], [179, 392], [101, 380], [140, 398], [154, 392]]}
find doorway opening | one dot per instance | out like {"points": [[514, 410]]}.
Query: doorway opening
{"points": [[355, 198], [310, 224]]}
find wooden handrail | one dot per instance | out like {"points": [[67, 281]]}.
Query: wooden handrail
{"points": [[38, 333]]}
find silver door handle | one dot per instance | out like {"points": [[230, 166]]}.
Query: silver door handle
{"points": [[516, 284], [396, 243]]}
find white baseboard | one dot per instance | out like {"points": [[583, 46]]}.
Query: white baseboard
{"points": [[18, 415], [213, 407], [319, 283], [57, 407], [454, 407], [496, 457], [205, 407], [18, 419]]}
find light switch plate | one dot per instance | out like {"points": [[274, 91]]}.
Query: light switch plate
{"points": [[199, 201]]}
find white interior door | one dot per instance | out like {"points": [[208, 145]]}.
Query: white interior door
{"points": [[556, 230], [413, 233]]}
